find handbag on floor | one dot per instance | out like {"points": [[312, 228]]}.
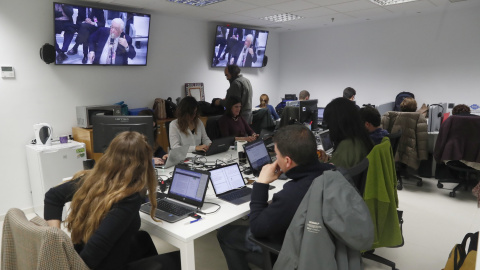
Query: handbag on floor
{"points": [[462, 259]]}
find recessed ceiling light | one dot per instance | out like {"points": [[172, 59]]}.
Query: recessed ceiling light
{"points": [[284, 17], [390, 2], [197, 3]]}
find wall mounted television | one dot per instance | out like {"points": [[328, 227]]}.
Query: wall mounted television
{"points": [[91, 35], [242, 46]]}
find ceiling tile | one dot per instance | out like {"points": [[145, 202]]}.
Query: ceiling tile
{"points": [[293, 6], [231, 6], [258, 12], [262, 2], [410, 7], [323, 3], [233, 18], [352, 6], [315, 12], [370, 13]]}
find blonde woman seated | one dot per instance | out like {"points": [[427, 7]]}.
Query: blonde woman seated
{"points": [[232, 123], [264, 104], [104, 218], [187, 129]]}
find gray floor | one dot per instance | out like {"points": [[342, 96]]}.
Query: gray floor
{"points": [[433, 223]]}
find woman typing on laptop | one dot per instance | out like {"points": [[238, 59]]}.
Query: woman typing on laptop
{"points": [[187, 129], [233, 124], [104, 218]]}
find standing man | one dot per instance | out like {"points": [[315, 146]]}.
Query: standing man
{"points": [[299, 162], [111, 46], [241, 88], [350, 93], [304, 95]]}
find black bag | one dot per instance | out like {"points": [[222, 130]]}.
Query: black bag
{"points": [[170, 108]]}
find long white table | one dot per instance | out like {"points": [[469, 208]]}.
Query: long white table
{"points": [[183, 236]]}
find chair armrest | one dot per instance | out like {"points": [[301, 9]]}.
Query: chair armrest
{"points": [[269, 245]]}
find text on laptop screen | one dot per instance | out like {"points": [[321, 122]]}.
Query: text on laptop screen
{"points": [[226, 178], [326, 142], [189, 184], [258, 155]]}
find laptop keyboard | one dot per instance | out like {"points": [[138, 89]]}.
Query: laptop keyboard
{"points": [[173, 208], [237, 194]]}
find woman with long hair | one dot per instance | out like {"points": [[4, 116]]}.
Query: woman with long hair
{"points": [[104, 218], [187, 129], [264, 104], [233, 124], [351, 142]]}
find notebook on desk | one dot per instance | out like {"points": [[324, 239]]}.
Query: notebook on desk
{"points": [[185, 196], [175, 156], [228, 184], [217, 146], [326, 141]]}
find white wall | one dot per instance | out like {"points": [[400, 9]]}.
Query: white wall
{"points": [[435, 56], [179, 52]]}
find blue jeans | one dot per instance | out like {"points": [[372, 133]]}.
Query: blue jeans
{"points": [[235, 245]]}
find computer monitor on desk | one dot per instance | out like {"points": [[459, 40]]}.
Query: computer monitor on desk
{"points": [[106, 127], [309, 112]]}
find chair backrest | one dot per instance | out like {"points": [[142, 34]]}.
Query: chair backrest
{"points": [[212, 128], [357, 175], [167, 129], [34, 245], [262, 119], [289, 115], [394, 139]]}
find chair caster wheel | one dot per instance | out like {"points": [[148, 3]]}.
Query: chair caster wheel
{"points": [[419, 183], [399, 187], [440, 185], [452, 194]]}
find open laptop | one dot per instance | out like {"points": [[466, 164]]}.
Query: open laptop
{"points": [[175, 156], [326, 141], [257, 156], [185, 196], [217, 146], [228, 184]]}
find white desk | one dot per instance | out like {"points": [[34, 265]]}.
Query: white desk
{"points": [[183, 236]]}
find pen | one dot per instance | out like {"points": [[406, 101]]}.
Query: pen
{"points": [[193, 221]]}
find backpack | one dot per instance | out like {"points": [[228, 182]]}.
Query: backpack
{"points": [[461, 260], [159, 108], [170, 108], [399, 98]]}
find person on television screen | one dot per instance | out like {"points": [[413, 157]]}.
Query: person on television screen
{"points": [[88, 21], [221, 42], [64, 23], [241, 88], [111, 46], [104, 218], [247, 53], [233, 124]]}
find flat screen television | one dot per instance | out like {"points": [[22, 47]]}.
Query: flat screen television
{"points": [[106, 127], [244, 47], [91, 35], [309, 112]]}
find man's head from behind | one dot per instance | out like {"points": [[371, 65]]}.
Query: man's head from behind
{"points": [[117, 27], [304, 95], [371, 117], [289, 154], [349, 93]]}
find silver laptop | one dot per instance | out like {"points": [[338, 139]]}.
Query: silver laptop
{"points": [[228, 184], [326, 141], [185, 196], [175, 156]]}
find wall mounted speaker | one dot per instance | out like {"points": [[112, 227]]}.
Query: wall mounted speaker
{"points": [[265, 61], [47, 53]]}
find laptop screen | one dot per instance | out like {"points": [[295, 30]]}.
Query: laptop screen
{"points": [[189, 186], [320, 112], [326, 142], [226, 178], [257, 155]]}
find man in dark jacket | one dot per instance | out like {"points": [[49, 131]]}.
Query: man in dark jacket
{"points": [[299, 162], [372, 119]]}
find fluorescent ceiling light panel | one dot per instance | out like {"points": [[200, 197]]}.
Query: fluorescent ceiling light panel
{"points": [[284, 17], [390, 2], [197, 3]]}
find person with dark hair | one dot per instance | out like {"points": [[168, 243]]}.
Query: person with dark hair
{"points": [[104, 219], [159, 156], [351, 143], [408, 105], [371, 117], [187, 129], [64, 23], [304, 95], [271, 220], [233, 124], [241, 88], [349, 93], [461, 109]]}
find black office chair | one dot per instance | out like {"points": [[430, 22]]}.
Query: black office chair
{"points": [[271, 248], [262, 119], [212, 129], [394, 139], [167, 128]]}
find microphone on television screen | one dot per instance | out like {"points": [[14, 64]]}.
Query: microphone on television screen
{"points": [[112, 38]]}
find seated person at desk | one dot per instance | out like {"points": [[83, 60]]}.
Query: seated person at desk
{"points": [[351, 143], [233, 124], [300, 163], [188, 129], [462, 110], [159, 156], [304, 95], [371, 117], [264, 104], [104, 220]]}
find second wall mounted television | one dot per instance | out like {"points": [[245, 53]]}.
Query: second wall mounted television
{"points": [[244, 47], [86, 35]]}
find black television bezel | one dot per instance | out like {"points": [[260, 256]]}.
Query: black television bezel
{"points": [[100, 7], [229, 26]]}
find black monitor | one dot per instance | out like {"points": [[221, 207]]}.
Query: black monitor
{"points": [[106, 127], [309, 112]]}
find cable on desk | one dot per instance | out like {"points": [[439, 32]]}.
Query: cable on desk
{"points": [[203, 213]]}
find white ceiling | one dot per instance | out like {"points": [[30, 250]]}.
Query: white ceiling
{"points": [[317, 13]]}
